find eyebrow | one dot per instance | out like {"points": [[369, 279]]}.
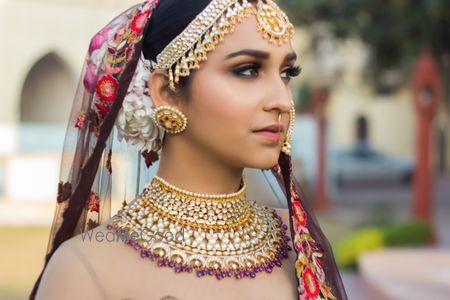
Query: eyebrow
{"points": [[259, 54]]}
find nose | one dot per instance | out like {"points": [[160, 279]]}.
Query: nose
{"points": [[279, 96]]}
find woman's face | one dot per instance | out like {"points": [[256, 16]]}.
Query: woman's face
{"points": [[237, 96]]}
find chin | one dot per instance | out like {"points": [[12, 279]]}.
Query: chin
{"points": [[266, 161]]}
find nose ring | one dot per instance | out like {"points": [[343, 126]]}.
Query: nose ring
{"points": [[286, 149]]}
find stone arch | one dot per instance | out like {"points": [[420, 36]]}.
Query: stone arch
{"points": [[47, 91]]}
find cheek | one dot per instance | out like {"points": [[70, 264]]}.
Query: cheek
{"points": [[222, 120], [220, 108]]}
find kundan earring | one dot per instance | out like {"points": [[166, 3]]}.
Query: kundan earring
{"points": [[170, 119], [286, 148]]}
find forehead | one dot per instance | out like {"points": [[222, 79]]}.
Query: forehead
{"points": [[247, 36]]}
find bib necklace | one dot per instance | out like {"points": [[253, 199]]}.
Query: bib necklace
{"points": [[221, 235]]}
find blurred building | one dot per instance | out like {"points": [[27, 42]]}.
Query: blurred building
{"points": [[43, 50], [44, 45], [356, 109]]}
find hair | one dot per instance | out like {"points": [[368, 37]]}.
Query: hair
{"points": [[169, 19]]}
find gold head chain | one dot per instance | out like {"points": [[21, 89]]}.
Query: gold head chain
{"points": [[208, 29]]}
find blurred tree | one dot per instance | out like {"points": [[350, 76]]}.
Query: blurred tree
{"points": [[395, 29]]}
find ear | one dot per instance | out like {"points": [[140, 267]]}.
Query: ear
{"points": [[158, 88]]}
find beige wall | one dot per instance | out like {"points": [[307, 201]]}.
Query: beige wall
{"points": [[31, 29], [442, 121], [391, 119]]}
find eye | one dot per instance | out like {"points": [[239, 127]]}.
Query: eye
{"points": [[291, 72], [247, 71]]}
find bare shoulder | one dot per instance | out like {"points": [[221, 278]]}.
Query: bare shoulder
{"points": [[92, 239], [99, 246], [85, 261], [67, 276]]}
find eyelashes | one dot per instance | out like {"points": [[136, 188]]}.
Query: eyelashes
{"points": [[294, 71], [252, 71]]}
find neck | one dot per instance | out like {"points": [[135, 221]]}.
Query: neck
{"points": [[188, 167]]}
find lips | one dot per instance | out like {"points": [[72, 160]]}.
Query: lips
{"points": [[274, 128], [271, 133]]}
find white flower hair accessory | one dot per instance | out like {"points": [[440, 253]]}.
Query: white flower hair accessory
{"points": [[134, 122]]}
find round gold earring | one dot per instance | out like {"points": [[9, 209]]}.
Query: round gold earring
{"points": [[170, 119], [286, 148]]}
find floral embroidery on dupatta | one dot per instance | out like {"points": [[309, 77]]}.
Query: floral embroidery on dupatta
{"points": [[308, 266], [93, 203], [91, 224], [80, 121], [150, 157], [114, 45], [108, 162], [107, 88], [64, 191], [109, 53]]}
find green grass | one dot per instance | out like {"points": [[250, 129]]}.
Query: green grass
{"points": [[22, 251]]}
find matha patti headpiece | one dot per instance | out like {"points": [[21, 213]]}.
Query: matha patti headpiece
{"points": [[208, 29]]}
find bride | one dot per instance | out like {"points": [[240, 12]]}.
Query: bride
{"points": [[203, 87]]}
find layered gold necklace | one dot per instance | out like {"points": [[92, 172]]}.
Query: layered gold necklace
{"points": [[223, 235]]}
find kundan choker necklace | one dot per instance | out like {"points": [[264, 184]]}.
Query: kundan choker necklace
{"points": [[223, 235]]}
